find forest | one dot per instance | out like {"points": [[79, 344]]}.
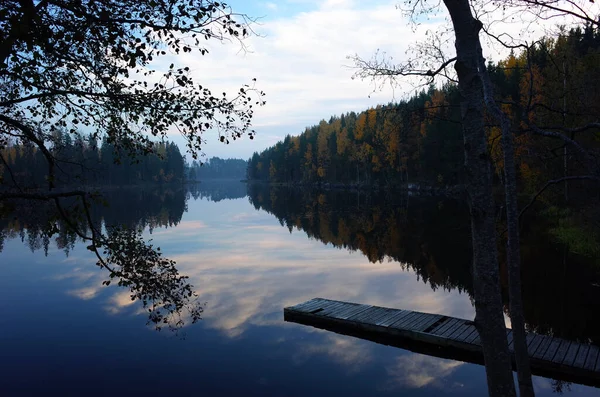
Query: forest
{"points": [[83, 161], [217, 168], [419, 140]]}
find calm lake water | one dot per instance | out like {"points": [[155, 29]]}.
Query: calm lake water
{"points": [[63, 333]]}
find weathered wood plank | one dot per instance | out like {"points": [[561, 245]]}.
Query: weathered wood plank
{"points": [[542, 347], [383, 314], [299, 306], [364, 314], [414, 324], [535, 342], [307, 306], [473, 337], [466, 333], [581, 356], [590, 361], [509, 338], [458, 331], [321, 304], [427, 323], [554, 356], [443, 323], [333, 311], [571, 354], [427, 318], [409, 321], [351, 312], [402, 321], [561, 352], [451, 329], [552, 349], [392, 319], [332, 308], [447, 324]]}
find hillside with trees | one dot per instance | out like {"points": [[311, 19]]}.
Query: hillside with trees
{"points": [[83, 161], [217, 168], [419, 140]]}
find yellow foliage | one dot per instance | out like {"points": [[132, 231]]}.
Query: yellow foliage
{"points": [[361, 123]]}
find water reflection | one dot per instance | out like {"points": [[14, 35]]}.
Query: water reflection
{"points": [[430, 236], [246, 267]]}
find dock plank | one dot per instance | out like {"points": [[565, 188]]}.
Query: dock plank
{"points": [[381, 315], [414, 320], [427, 323], [441, 324], [348, 311], [392, 319], [352, 313], [448, 324], [535, 342], [299, 306], [319, 305], [551, 357], [365, 314], [307, 306], [426, 319], [561, 352], [400, 323], [458, 331], [452, 328], [571, 354], [552, 349], [466, 333], [509, 339], [581, 356], [471, 339], [332, 309], [542, 347], [590, 361]]}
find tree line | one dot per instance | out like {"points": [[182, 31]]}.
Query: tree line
{"points": [[217, 168], [84, 161], [420, 140]]}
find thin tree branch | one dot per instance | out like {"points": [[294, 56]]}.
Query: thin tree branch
{"points": [[554, 182]]}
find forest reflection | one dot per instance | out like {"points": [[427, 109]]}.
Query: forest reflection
{"points": [[134, 208], [431, 236], [427, 235]]}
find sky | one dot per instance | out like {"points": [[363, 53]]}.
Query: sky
{"points": [[299, 58]]}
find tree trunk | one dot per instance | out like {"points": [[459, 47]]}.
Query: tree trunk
{"points": [[489, 317], [513, 253]]}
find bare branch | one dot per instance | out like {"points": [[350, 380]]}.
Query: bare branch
{"points": [[554, 182]]}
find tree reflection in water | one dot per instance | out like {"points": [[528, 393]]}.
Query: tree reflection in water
{"points": [[431, 236]]}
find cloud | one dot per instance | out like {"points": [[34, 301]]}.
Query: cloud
{"points": [[85, 293], [300, 62], [353, 353], [299, 59], [417, 370]]}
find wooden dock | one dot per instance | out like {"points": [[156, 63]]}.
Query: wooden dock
{"points": [[445, 337]]}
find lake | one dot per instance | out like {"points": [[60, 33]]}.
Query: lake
{"points": [[249, 252]]}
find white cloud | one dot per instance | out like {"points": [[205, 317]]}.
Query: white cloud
{"points": [[417, 370], [300, 61]]}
